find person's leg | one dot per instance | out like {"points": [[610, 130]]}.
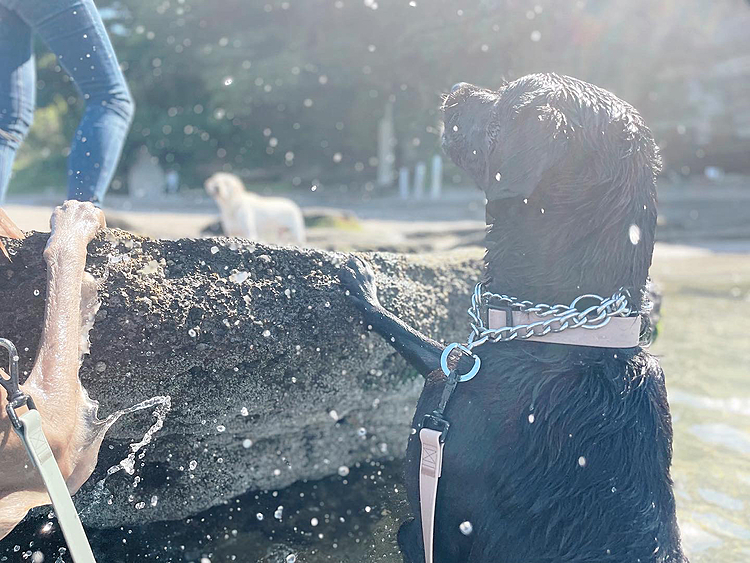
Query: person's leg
{"points": [[17, 90], [74, 31]]}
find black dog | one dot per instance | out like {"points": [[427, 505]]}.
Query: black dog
{"points": [[569, 171]]}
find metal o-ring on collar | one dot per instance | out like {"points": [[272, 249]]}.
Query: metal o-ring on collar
{"points": [[444, 361]]}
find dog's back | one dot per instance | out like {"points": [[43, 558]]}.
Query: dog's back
{"points": [[280, 219], [565, 452]]}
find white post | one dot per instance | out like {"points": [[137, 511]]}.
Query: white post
{"points": [[437, 177], [386, 148], [403, 182], [420, 173]]}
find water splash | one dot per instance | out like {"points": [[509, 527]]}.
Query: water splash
{"points": [[163, 405]]}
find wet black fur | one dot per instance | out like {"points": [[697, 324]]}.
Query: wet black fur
{"points": [[556, 453]]}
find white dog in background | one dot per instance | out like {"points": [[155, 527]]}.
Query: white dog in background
{"points": [[248, 215]]}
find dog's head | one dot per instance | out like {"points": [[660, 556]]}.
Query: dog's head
{"points": [[224, 187], [567, 167]]}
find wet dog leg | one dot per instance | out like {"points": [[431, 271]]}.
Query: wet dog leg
{"points": [[55, 372], [420, 351], [68, 415]]}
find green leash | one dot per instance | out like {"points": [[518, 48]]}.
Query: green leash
{"points": [[29, 429]]}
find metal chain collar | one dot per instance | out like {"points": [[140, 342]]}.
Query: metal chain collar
{"points": [[556, 318]]}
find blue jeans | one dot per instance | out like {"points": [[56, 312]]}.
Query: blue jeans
{"points": [[73, 30]]}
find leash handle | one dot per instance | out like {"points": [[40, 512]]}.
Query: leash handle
{"points": [[33, 438], [430, 468]]}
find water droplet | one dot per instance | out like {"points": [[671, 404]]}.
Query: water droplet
{"points": [[313, 522], [343, 471], [192, 333], [362, 432], [246, 443], [259, 516], [214, 249], [221, 428], [279, 513], [635, 234], [154, 500], [151, 267], [192, 465], [498, 176], [291, 558], [228, 81], [582, 461], [36, 294], [531, 419], [466, 528], [266, 333], [244, 411], [239, 277]]}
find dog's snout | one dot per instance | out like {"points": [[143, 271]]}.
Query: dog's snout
{"points": [[457, 86]]}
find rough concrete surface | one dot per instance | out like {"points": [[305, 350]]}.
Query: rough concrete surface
{"points": [[272, 376]]}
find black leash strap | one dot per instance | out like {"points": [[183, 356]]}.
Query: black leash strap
{"points": [[16, 397]]}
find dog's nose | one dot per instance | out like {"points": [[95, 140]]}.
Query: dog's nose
{"points": [[458, 86]]}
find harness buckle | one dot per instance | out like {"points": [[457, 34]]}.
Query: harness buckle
{"points": [[505, 308], [435, 421]]}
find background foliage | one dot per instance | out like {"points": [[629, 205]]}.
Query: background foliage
{"points": [[292, 90]]}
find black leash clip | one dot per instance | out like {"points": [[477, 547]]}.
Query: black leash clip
{"points": [[435, 420], [16, 397]]}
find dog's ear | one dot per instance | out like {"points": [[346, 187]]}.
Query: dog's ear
{"points": [[535, 141]]}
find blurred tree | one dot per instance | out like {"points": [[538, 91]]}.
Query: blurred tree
{"points": [[293, 89]]}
